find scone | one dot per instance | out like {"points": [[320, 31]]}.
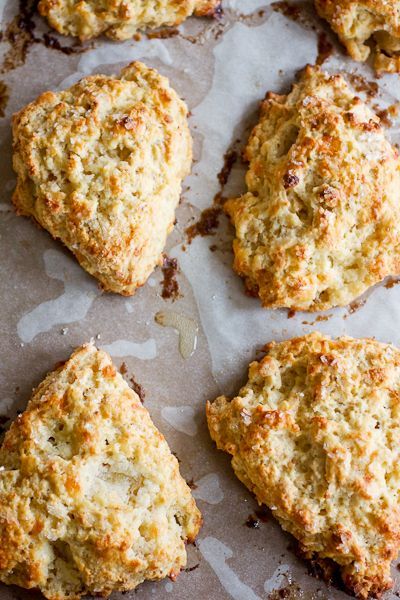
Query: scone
{"points": [[100, 166], [119, 19], [358, 22], [315, 435], [320, 222], [91, 498]]}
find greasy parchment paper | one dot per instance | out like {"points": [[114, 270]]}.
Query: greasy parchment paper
{"points": [[49, 305]]}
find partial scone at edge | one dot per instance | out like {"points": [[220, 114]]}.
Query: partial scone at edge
{"points": [[100, 166], [120, 20], [320, 221], [356, 22], [91, 498], [313, 434]]}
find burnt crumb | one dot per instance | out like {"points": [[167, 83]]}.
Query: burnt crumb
{"points": [[391, 282], [192, 484], [289, 592], [288, 9], [290, 180], [177, 457], [51, 42], [355, 306], [20, 34], [230, 159], [170, 285], [263, 514], [213, 247], [123, 368], [299, 12], [324, 569], [206, 225], [163, 34], [291, 313], [3, 423], [385, 115], [252, 522], [3, 98], [190, 569], [325, 48], [138, 389], [209, 218], [360, 84], [319, 319]]}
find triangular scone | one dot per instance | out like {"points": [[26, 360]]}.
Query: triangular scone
{"points": [[119, 19], [315, 435], [357, 22], [320, 222], [91, 498], [100, 166]]}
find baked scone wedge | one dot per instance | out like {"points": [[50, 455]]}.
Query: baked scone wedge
{"points": [[100, 166], [119, 19], [91, 498], [320, 222], [358, 22], [315, 435]]}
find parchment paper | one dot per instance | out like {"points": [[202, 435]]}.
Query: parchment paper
{"points": [[49, 305]]}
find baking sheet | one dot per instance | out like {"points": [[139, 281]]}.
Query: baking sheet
{"points": [[49, 305]]}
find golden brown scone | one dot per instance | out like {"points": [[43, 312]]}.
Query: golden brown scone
{"points": [[100, 166], [315, 435], [91, 498], [359, 21], [119, 19], [320, 222]]}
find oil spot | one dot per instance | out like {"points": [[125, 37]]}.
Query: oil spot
{"points": [[73, 305], [185, 326], [180, 418], [144, 350], [208, 489], [217, 555]]}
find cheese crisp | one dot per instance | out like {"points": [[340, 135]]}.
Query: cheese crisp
{"points": [[91, 498], [320, 222], [100, 166], [358, 22], [315, 435], [119, 19]]}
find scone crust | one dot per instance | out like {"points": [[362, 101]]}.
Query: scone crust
{"points": [[91, 498], [100, 166], [314, 434], [119, 19], [357, 21], [320, 221]]}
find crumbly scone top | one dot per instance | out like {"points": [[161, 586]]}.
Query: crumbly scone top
{"points": [[357, 21], [314, 434], [100, 166], [119, 19], [91, 498], [320, 221]]}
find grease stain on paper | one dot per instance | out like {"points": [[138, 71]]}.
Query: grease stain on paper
{"points": [[73, 304], [208, 489], [180, 418], [217, 555], [144, 350], [110, 53], [186, 327]]}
